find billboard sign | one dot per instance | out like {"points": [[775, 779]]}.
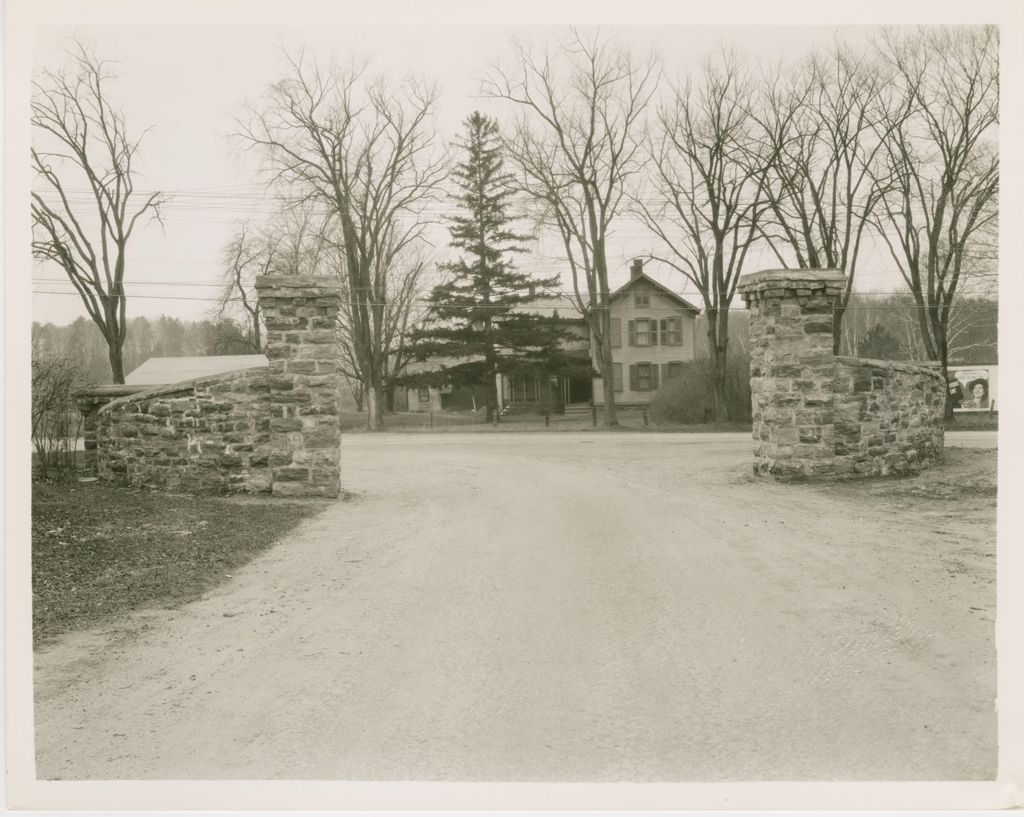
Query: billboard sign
{"points": [[973, 388]]}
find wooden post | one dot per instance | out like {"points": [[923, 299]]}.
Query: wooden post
{"points": [[593, 415]]}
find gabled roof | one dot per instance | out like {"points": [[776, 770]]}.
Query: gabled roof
{"points": [[661, 288], [436, 364], [161, 371]]}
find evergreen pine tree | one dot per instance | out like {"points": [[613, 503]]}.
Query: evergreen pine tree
{"points": [[473, 320]]}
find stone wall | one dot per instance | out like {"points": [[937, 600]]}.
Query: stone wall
{"points": [[816, 415], [210, 435], [271, 429], [889, 416]]}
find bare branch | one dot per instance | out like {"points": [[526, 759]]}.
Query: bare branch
{"points": [[365, 154], [581, 120], [79, 137]]}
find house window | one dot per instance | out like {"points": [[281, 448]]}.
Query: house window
{"points": [[643, 377], [672, 331], [643, 332], [424, 394], [641, 296], [674, 368]]}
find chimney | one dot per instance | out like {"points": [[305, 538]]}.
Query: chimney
{"points": [[636, 269]]}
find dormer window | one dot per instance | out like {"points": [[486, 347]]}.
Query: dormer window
{"points": [[641, 296]]}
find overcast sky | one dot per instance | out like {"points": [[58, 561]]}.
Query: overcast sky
{"points": [[187, 83]]}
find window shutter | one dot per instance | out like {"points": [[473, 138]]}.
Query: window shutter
{"points": [[616, 330], [616, 377], [652, 324], [680, 324], [632, 333], [654, 377], [632, 378], [664, 331]]}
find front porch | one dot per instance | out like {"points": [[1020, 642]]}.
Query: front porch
{"points": [[546, 394]]}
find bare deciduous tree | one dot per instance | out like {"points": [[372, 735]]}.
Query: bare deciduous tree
{"points": [[365, 152], [709, 168], [971, 332], [944, 162], [82, 139], [401, 288], [577, 144], [291, 243], [827, 129], [246, 255]]}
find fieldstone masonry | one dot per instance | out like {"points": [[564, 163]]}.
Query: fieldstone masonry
{"points": [[207, 436], [300, 315], [89, 402], [272, 429], [817, 415]]}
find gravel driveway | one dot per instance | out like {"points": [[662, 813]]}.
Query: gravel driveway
{"points": [[570, 607]]}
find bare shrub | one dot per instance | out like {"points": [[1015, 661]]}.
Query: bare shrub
{"points": [[56, 422], [689, 397]]}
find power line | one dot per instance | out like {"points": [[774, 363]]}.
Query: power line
{"points": [[562, 293], [421, 302]]}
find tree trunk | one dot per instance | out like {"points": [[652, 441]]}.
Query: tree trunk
{"points": [[944, 360], [492, 399], [720, 405], [718, 349], [375, 407], [608, 381], [837, 329], [608, 386], [114, 354]]}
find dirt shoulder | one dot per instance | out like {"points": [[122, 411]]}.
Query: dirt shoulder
{"points": [[966, 475]]}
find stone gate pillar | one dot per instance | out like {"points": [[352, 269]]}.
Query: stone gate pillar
{"points": [[792, 368], [300, 314]]}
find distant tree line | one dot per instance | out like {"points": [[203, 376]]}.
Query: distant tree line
{"points": [[886, 328], [82, 343]]}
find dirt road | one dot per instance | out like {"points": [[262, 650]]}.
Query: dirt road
{"points": [[572, 607]]}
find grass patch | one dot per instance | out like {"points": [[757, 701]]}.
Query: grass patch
{"points": [[980, 421], [99, 550]]}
